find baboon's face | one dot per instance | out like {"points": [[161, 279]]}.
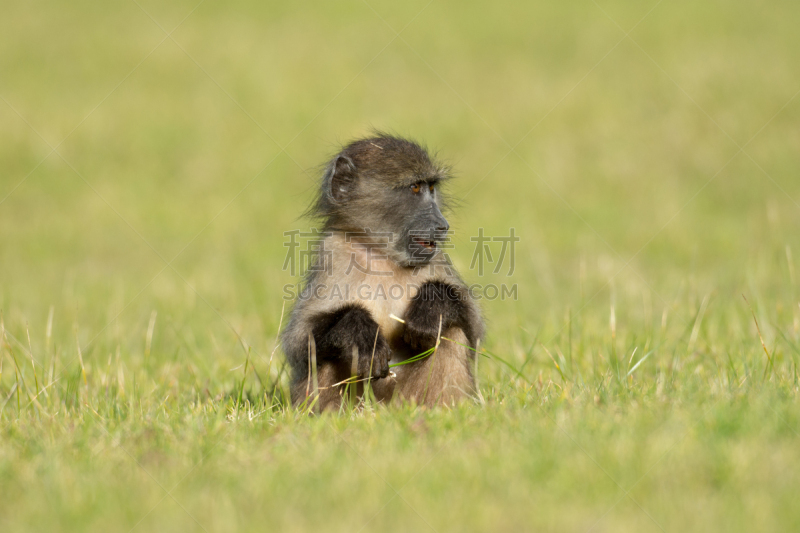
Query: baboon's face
{"points": [[387, 189], [422, 227], [404, 222]]}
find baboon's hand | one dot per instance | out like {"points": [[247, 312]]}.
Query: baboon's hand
{"points": [[435, 303], [348, 328], [421, 328], [369, 365]]}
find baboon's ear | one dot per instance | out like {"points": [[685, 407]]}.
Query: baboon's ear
{"points": [[343, 178]]}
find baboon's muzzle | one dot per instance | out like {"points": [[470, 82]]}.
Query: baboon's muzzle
{"points": [[427, 235]]}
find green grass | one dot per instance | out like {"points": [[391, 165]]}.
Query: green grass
{"points": [[653, 183]]}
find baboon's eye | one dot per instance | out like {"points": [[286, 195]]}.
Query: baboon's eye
{"points": [[415, 188], [431, 187]]}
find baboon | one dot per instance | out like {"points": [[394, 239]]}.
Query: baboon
{"points": [[381, 290]]}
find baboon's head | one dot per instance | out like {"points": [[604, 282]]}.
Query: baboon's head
{"points": [[385, 190]]}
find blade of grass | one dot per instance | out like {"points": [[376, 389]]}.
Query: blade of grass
{"points": [[489, 355], [554, 362], [433, 359], [758, 329], [639, 362]]}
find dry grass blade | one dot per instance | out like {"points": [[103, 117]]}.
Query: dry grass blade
{"points": [[151, 326], [554, 361], [433, 359], [638, 363], [33, 363], [761, 338]]}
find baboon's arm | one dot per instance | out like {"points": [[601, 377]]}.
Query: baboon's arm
{"points": [[449, 301], [337, 332]]}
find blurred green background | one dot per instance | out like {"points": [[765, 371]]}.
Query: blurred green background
{"points": [[153, 154]]}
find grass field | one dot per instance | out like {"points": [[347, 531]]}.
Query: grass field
{"points": [[152, 157]]}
